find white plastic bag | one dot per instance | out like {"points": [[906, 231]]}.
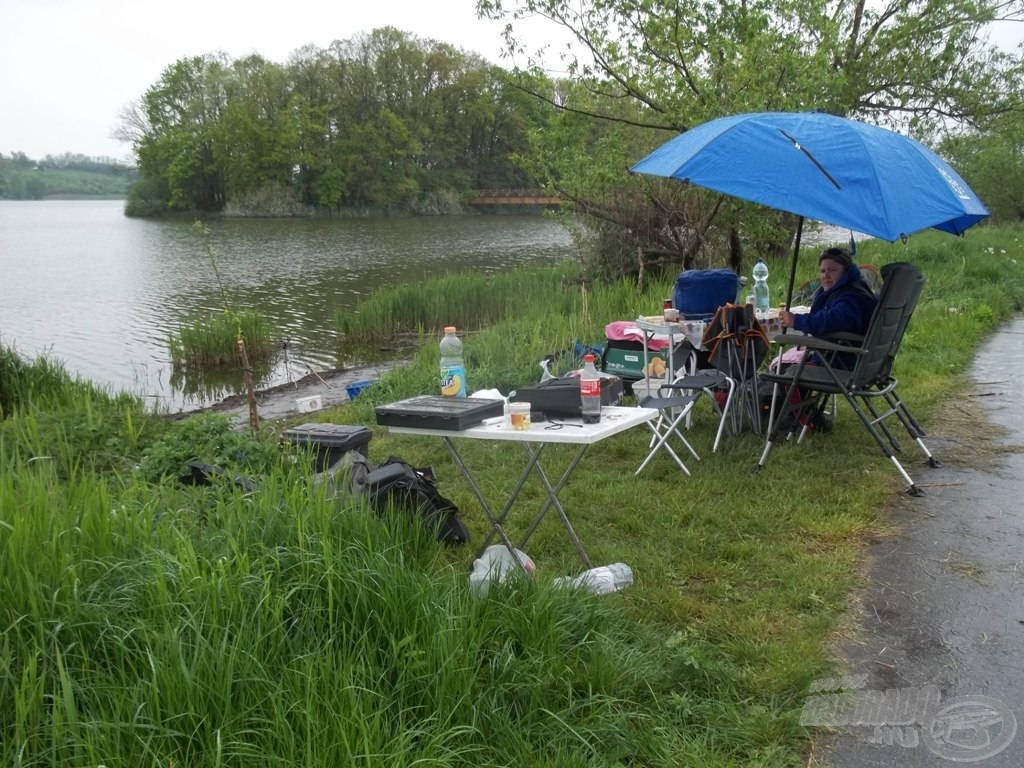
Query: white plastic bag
{"points": [[496, 564]]}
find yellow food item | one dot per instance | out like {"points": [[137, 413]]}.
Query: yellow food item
{"points": [[656, 367]]}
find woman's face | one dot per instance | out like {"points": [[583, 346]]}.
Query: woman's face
{"points": [[829, 273]]}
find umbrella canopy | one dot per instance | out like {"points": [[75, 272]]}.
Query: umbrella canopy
{"points": [[819, 166]]}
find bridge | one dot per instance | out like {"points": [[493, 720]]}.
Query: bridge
{"points": [[514, 197]]}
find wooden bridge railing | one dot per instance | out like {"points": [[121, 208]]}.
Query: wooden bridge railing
{"points": [[514, 197]]}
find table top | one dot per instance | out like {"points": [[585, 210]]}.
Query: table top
{"points": [[614, 419]]}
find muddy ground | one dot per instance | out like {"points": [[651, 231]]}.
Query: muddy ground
{"points": [[282, 402]]}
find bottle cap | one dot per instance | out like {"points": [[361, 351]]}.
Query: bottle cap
{"points": [[449, 329], [588, 358]]}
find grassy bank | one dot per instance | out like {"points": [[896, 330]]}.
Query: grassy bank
{"points": [[148, 623]]}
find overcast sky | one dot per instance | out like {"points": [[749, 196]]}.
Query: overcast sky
{"points": [[69, 67]]}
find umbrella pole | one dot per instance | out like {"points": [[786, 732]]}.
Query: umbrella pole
{"points": [[796, 254]]}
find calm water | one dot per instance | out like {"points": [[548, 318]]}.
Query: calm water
{"points": [[100, 292]]}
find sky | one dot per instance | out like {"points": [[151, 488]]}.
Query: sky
{"points": [[68, 68]]}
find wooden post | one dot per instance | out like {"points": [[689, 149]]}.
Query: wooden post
{"points": [[640, 269], [243, 357]]}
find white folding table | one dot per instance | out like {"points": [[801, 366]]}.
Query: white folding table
{"points": [[614, 419]]}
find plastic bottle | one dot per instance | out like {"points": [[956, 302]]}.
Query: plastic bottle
{"points": [[602, 580], [496, 564], [590, 391], [761, 299], [453, 368]]}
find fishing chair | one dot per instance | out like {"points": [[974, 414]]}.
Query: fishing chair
{"points": [[869, 386], [737, 346]]}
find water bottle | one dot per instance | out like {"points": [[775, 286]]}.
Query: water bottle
{"points": [[453, 369], [761, 299], [602, 580], [590, 391], [497, 564]]}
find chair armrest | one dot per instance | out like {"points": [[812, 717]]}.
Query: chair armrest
{"points": [[819, 344], [844, 337]]}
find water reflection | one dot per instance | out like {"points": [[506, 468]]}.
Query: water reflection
{"points": [[102, 293]]}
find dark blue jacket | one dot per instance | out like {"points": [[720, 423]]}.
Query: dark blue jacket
{"points": [[846, 307]]}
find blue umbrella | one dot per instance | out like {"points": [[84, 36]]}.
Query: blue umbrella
{"points": [[822, 167]]}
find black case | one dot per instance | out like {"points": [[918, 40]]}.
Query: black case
{"points": [[561, 396], [436, 412], [329, 441]]}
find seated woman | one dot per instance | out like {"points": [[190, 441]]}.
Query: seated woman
{"points": [[843, 303]]}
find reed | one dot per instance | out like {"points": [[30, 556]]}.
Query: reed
{"points": [[147, 622], [212, 341]]}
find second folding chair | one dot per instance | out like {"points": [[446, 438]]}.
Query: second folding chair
{"points": [[668, 427]]}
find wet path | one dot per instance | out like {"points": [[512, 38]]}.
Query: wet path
{"points": [[945, 606]]}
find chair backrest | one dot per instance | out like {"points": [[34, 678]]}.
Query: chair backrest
{"points": [[901, 288], [735, 340]]}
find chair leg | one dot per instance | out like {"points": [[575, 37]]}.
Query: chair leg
{"points": [[662, 429], [725, 410]]}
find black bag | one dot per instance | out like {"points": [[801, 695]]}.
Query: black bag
{"points": [[396, 484], [561, 396]]}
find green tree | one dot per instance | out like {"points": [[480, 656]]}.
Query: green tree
{"points": [[992, 162], [257, 131], [383, 120], [179, 143], [665, 65]]}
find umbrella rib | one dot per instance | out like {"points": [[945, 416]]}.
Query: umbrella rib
{"points": [[812, 158]]}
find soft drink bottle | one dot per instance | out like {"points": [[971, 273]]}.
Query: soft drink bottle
{"points": [[590, 391]]}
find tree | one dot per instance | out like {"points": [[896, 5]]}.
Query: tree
{"points": [[649, 69], [182, 113], [992, 162]]}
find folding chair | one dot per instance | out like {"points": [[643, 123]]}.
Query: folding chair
{"points": [[737, 345], [709, 382], [673, 412], [806, 385]]}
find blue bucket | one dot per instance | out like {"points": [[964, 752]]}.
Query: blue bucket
{"points": [[356, 387]]}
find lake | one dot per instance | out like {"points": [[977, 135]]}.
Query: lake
{"points": [[100, 292]]}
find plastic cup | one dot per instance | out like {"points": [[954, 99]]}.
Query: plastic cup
{"points": [[519, 415]]}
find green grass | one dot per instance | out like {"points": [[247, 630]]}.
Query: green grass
{"points": [[212, 341], [150, 623]]}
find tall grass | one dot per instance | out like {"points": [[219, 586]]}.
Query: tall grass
{"points": [[150, 623], [213, 340]]}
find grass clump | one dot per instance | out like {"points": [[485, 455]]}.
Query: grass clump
{"points": [[148, 622], [212, 341]]}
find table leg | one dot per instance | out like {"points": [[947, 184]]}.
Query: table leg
{"points": [[497, 522], [553, 492]]}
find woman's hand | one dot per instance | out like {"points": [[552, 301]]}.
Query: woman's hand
{"points": [[786, 318]]}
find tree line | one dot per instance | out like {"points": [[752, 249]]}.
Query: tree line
{"points": [[66, 175], [384, 121]]}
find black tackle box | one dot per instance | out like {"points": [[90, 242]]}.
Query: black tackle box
{"points": [[437, 412], [329, 442]]}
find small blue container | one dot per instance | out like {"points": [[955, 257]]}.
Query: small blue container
{"points": [[356, 387]]}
